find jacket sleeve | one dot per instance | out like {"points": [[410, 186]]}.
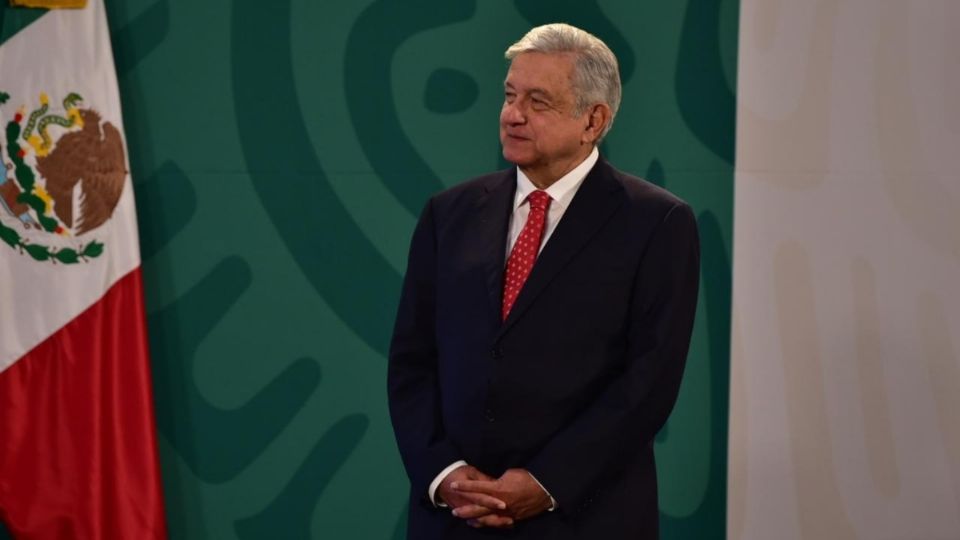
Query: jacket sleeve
{"points": [[412, 380], [629, 412]]}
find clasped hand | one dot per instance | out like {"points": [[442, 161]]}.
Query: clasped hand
{"points": [[484, 501]]}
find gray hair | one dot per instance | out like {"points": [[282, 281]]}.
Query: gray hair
{"points": [[596, 74]]}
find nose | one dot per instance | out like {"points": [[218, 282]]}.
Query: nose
{"points": [[512, 113]]}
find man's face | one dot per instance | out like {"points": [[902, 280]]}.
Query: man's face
{"points": [[538, 130]]}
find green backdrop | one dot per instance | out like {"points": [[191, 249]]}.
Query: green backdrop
{"points": [[281, 151]]}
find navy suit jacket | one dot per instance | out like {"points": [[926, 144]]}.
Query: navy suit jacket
{"points": [[575, 384]]}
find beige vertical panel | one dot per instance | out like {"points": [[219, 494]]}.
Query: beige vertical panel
{"points": [[943, 365], [845, 376], [871, 375], [821, 509]]}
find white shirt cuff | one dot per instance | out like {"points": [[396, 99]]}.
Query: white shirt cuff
{"points": [[439, 478], [553, 502]]}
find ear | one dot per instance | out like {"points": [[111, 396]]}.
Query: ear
{"points": [[598, 117]]}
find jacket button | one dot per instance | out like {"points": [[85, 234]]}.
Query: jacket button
{"points": [[497, 353], [488, 415]]}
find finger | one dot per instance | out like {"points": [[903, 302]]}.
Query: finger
{"points": [[471, 511], [476, 474], [483, 499], [494, 520], [476, 486]]}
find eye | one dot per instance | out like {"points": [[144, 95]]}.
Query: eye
{"points": [[509, 96], [539, 104]]}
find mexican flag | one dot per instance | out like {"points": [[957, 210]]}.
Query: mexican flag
{"points": [[78, 453]]}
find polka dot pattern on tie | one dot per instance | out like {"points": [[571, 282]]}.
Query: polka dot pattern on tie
{"points": [[525, 250]]}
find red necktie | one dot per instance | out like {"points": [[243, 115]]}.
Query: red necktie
{"points": [[524, 252]]}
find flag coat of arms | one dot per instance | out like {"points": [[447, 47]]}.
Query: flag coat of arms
{"points": [[78, 454]]}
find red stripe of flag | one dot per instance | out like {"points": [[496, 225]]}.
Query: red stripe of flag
{"points": [[78, 452]]}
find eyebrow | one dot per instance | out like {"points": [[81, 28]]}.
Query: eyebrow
{"points": [[535, 90]]}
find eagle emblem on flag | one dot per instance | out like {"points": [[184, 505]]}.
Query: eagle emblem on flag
{"points": [[64, 173]]}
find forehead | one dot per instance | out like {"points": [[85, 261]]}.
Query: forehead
{"points": [[549, 72]]}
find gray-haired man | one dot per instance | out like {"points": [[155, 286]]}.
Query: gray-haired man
{"points": [[544, 322]]}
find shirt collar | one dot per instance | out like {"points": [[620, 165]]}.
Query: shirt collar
{"points": [[562, 191]]}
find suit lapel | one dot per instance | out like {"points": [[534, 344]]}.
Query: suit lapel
{"points": [[493, 210], [590, 208]]}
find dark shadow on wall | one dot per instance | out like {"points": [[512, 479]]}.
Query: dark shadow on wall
{"points": [[709, 519], [707, 102], [136, 38]]}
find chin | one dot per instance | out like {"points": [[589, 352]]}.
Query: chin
{"points": [[516, 157]]}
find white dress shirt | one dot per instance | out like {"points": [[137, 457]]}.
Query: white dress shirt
{"points": [[561, 194]]}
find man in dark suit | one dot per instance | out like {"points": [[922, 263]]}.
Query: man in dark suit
{"points": [[544, 321]]}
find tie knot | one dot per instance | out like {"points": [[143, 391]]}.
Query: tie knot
{"points": [[539, 200]]}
